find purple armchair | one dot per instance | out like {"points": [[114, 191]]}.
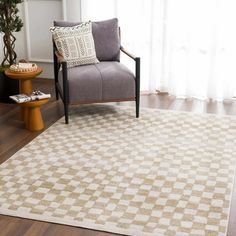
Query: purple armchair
{"points": [[106, 81]]}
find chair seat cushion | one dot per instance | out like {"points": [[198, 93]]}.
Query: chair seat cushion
{"points": [[100, 82], [117, 81]]}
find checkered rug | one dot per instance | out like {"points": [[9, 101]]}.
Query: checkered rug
{"points": [[166, 173]]}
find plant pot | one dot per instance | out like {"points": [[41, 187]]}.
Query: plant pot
{"points": [[8, 87]]}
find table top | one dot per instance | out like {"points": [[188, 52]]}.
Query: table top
{"points": [[23, 75]]}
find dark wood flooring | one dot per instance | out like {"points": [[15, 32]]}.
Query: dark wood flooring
{"points": [[13, 136]]}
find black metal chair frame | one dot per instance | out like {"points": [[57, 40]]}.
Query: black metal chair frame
{"points": [[64, 91]]}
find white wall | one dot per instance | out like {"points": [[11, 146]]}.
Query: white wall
{"points": [[34, 41]]}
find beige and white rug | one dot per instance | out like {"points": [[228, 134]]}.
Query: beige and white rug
{"points": [[166, 173]]}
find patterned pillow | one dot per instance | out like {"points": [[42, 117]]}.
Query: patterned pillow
{"points": [[75, 44]]}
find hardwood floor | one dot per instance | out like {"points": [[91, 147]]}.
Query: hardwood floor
{"points": [[13, 136]]}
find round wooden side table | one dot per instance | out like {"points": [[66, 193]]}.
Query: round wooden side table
{"points": [[30, 111]]}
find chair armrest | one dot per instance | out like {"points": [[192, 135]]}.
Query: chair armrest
{"points": [[60, 58], [137, 73], [59, 61], [137, 77], [128, 53], [63, 62]]}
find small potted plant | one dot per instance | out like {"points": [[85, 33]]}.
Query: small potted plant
{"points": [[10, 22]]}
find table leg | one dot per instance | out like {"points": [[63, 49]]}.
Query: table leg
{"points": [[26, 86], [35, 121]]}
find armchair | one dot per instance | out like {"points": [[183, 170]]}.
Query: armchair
{"points": [[106, 81]]}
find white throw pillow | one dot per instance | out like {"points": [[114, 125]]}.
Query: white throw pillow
{"points": [[75, 44]]}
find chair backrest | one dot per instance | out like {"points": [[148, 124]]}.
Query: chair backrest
{"points": [[106, 38]]}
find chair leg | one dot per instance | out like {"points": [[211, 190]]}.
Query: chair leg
{"points": [[57, 93], [137, 107], [66, 113], [137, 85], [65, 91], [56, 67]]}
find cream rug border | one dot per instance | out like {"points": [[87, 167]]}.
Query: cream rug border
{"points": [[104, 228]]}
